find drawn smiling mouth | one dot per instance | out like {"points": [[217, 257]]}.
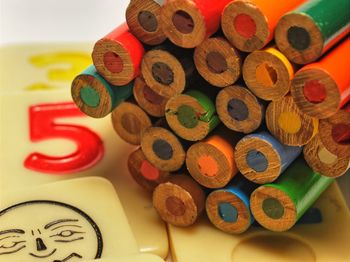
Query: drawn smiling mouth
{"points": [[44, 256]]}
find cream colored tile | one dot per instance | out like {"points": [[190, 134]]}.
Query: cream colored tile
{"points": [[322, 242]]}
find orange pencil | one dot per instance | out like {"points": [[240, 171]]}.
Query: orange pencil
{"points": [[320, 89], [249, 25], [211, 162]]}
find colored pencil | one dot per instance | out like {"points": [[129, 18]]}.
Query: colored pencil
{"points": [[129, 121], [143, 172], [187, 23], [308, 31], [262, 159], [268, 73], [163, 148], [228, 208], [250, 25], [335, 134], [167, 69], [117, 56], [143, 18], [279, 206], [179, 201], [320, 89], [147, 99], [288, 124], [239, 109], [94, 96], [218, 62], [191, 115], [324, 162], [211, 161]]}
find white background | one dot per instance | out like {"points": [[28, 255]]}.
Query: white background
{"points": [[58, 20]]}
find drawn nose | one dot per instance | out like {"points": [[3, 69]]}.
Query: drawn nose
{"points": [[40, 246]]}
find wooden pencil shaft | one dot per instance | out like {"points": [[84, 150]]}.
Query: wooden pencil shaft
{"points": [[148, 100], [117, 56], [218, 62], [228, 208], [268, 73], [143, 172], [239, 109], [167, 69], [211, 161], [305, 33], [320, 89], [192, 115], [143, 18], [288, 124], [335, 133], [163, 148], [262, 159], [179, 201], [324, 162], [129, 121], [279, 206], [189, 23], [249, 25], [95, 96]]}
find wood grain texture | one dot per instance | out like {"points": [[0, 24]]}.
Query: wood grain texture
{"points": [[143, 18], [257, 16], [129, 122], [143, 172], [324, 162], [218, 62], [288, 124], [179, 201]]}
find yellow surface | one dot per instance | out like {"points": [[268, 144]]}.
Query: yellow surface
{"points": [[48, 222], [323, 242], [16, 74], [132, 258]]}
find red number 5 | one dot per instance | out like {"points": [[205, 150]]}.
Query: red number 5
{"points": [[90, 148]]}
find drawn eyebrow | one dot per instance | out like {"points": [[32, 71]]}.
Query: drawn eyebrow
{"points": [[66, 226], [18, 231], [59, 221], [8, 237]]}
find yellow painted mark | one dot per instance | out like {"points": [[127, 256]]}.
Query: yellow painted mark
{"points": [[59, 67], [289, 122], [40, 86], [62, 66]]}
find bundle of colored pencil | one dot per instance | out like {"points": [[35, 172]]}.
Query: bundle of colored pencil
{"points": [[220, 129]]}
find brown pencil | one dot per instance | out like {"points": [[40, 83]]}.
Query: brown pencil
{"points": [[167, 69], [179, 201], [163, 148], [187, 23], [143, 18], [129, 121], [143, 172], [149, 100], [218, 62], [239, 109]]}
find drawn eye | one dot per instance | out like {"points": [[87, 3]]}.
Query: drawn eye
{"points": [[67, 233], [10, 244]]}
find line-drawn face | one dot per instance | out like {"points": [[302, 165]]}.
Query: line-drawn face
{"points": [[47, 231]]}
